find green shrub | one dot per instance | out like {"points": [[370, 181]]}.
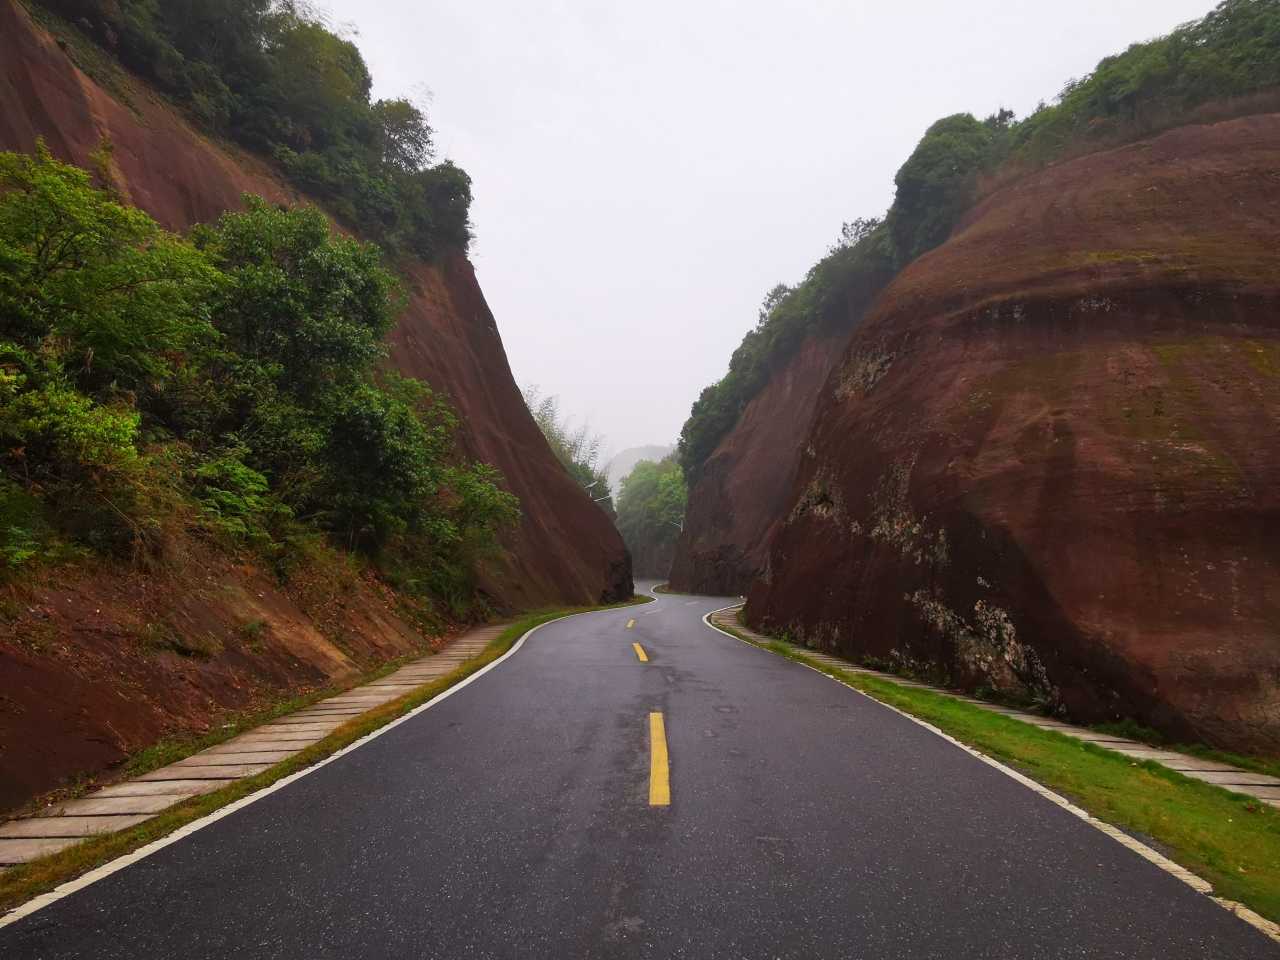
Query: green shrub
{"points": [[54, 427], [98, 285], [276, 79], [240, 393], [937, 183], [24, 532], [1234, 51], [236, 500]]}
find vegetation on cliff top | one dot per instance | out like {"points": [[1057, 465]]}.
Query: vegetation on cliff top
{"points": [[270, 75], [577, 448], [228, 382], [1233, 52], [650, 510]]}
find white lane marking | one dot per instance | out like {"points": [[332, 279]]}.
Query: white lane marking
{"points": [[113, 866], [1195, 882]]}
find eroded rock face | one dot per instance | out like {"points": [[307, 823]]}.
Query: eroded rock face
{"points": [[1048, 461], [745, 484], [566, 550]]}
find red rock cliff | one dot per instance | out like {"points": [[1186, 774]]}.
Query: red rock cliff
{"points": [[566, 549], [1049, 458], [745, 485]]}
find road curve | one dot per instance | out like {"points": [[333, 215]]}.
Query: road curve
{"points": [[514, 820]]}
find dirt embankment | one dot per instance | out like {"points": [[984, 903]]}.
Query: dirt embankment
{"points": [[100, 662], [1049, 461], [93, 663], [745, 484]]}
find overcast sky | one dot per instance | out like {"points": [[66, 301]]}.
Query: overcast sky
{"points": [[644, 172]]}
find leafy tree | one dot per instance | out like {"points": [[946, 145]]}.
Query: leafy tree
{"points": [[937, 183], [651, 513], [406, 136], [274, 77], [231, 380], [312, 306], [96, 286], [316, 91]]}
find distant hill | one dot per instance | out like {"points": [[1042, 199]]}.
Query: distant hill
{"points": [[624, 462]]}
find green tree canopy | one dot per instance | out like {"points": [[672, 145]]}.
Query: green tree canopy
{"points": [[273, 76], [93, 280], [651, 514], [1231, 52], [232, 379]]}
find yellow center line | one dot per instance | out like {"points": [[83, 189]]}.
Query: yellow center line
{"points": [[644, 657], [631, 623], [659, 774]]}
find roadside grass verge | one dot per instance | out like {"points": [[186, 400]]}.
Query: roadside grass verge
{"points": [[20, 883], [1229, 839]]}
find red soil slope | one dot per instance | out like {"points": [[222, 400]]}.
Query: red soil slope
{"points": [[745, 485], [1049, 459], [567, 549], [96, 664]]}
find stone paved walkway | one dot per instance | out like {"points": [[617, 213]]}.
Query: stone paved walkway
{"points": [[1259, 785], [131, 802]]}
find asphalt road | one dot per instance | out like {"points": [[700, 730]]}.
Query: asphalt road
{"points": [[514, 820]]}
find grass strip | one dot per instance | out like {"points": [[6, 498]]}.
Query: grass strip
{"points": [[1133, 731], [24, 881], [1229, 839]]}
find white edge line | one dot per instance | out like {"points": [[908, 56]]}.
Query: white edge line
{"points": [[113, 866], [1195, 882]]}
